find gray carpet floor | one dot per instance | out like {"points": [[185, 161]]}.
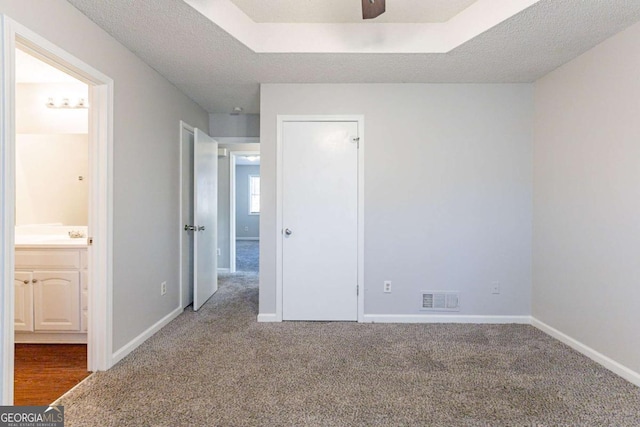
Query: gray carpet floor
{"points": [[247, 254], [218, 367]]}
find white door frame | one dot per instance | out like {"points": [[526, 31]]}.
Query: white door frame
{"points": [[183, 126], [279, 201], [232, 204], [99, 339]]}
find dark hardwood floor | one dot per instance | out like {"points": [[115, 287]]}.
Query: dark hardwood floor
{"points": [[44, 372]]}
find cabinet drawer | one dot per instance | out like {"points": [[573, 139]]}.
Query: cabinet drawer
{"points": [[62, 259]]}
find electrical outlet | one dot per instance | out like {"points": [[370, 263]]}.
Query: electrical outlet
{"points": [[163, 288], [218, 251], [387, 286], [495, 288], [246, 228]]}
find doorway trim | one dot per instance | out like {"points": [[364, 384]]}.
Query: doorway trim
{"points": [[232, 204], [100, 305], [281, 119], [183, 127]]}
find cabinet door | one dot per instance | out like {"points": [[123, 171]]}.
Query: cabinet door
{"points": [[56, 300], [23, 311], [84, 300]]}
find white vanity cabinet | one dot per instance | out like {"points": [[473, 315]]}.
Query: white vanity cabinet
{"points": [[50, 296], [56, 300], [23, 311]]}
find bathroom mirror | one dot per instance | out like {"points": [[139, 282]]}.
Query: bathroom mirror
{"points": [[52, 153]]}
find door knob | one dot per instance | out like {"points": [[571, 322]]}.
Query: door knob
{"points": [[26, 282], [288, 232], [200, 228], [189, 228], [35, 280]]}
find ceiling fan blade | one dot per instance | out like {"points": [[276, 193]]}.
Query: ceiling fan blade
{"points": [[372, 8]]}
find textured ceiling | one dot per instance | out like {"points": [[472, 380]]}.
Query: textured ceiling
{"points": [[342, 11], [219, 72]]}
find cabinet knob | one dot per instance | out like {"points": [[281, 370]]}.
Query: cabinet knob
{"points": [[26, 282], [35, 280]]}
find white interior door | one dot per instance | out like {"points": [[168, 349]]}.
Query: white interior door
{"points": [[205, 179], [320, 220]]}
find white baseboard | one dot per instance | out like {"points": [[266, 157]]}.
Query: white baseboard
{"points": [[268, 317], [50, 338], [247, 238], [134, 343], [440, 318], [615, 367]]}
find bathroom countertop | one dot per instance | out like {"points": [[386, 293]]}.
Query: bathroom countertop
{"points": [[48, 242]]}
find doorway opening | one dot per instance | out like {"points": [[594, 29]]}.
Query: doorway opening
{"points": [[54, 273], [187, 140], [244, 212], [51, 230], [198, 216]]}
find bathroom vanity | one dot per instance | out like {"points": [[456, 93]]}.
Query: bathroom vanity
{"points": [[51, 290]]}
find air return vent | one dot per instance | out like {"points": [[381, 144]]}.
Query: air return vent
{"points": [[440, 301]]}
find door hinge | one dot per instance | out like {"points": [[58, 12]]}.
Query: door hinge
{"points": [[90, 241], [357, 290], [356, 139]]}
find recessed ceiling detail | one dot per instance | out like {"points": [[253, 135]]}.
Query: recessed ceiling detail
{"points": [[218, 72], [361, 37], [349, 11]]}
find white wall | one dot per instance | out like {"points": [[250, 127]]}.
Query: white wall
{"points": [[448, 190], [147, 111], [33, 116], [586, 248]]}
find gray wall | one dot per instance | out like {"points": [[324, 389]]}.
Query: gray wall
{"points": [[243, 219], [448, 190], [587, 199], [229, 125], [223, 199], [147, 112]]}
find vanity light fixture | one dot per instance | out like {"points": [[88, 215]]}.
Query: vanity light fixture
{"points": [[66, 103]]}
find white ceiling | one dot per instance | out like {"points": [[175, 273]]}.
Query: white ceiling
{"points": [[343, 11], [219, 72], [364, 36]]}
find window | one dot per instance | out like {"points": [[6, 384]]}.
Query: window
{"points": [[254, 195]]}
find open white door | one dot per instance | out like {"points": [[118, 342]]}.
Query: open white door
{"points": [[205, 179]]}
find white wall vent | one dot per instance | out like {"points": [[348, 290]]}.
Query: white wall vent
{"points": [[440, 301]]}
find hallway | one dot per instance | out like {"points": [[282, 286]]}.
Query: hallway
{"points": [[247, 255]]}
